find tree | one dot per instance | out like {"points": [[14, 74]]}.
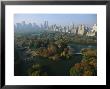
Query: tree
{"points": [[88, 65], [36, 70]]}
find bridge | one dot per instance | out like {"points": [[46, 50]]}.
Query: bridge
{"points": [[78, 53]]}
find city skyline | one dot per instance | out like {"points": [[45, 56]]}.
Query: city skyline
{"points": [[59, 19]]}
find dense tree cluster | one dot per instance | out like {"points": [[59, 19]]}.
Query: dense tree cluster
{"points": [[51, 45], [54, 46], [88, 65]]}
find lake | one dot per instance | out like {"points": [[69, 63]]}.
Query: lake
{"points": [[78, 47]]}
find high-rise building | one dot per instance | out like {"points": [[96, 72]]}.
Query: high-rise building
{"points": [[74, 29], [81, 30], [94, 28], [18, 26], [93, 31], [45, 26]]}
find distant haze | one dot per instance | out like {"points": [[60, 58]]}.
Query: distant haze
{"points": [[60, 19]]}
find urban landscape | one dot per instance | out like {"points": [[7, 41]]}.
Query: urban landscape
{"points": [[49, 48], [79, 30]]}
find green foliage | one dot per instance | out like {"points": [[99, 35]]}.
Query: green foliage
{"points": [[35, 73], [36, 70], [74, 72]]}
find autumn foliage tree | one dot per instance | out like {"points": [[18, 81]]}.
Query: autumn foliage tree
{"points": [[88, 65]]}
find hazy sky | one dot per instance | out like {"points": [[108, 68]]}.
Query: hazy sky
{"points": [[61, 19]]}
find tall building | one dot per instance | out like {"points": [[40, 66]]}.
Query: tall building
{"points": [[23, 23], [81, 30], [94, 28], [74, 29], [93, 31], [18, 26], [45, 26]]}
